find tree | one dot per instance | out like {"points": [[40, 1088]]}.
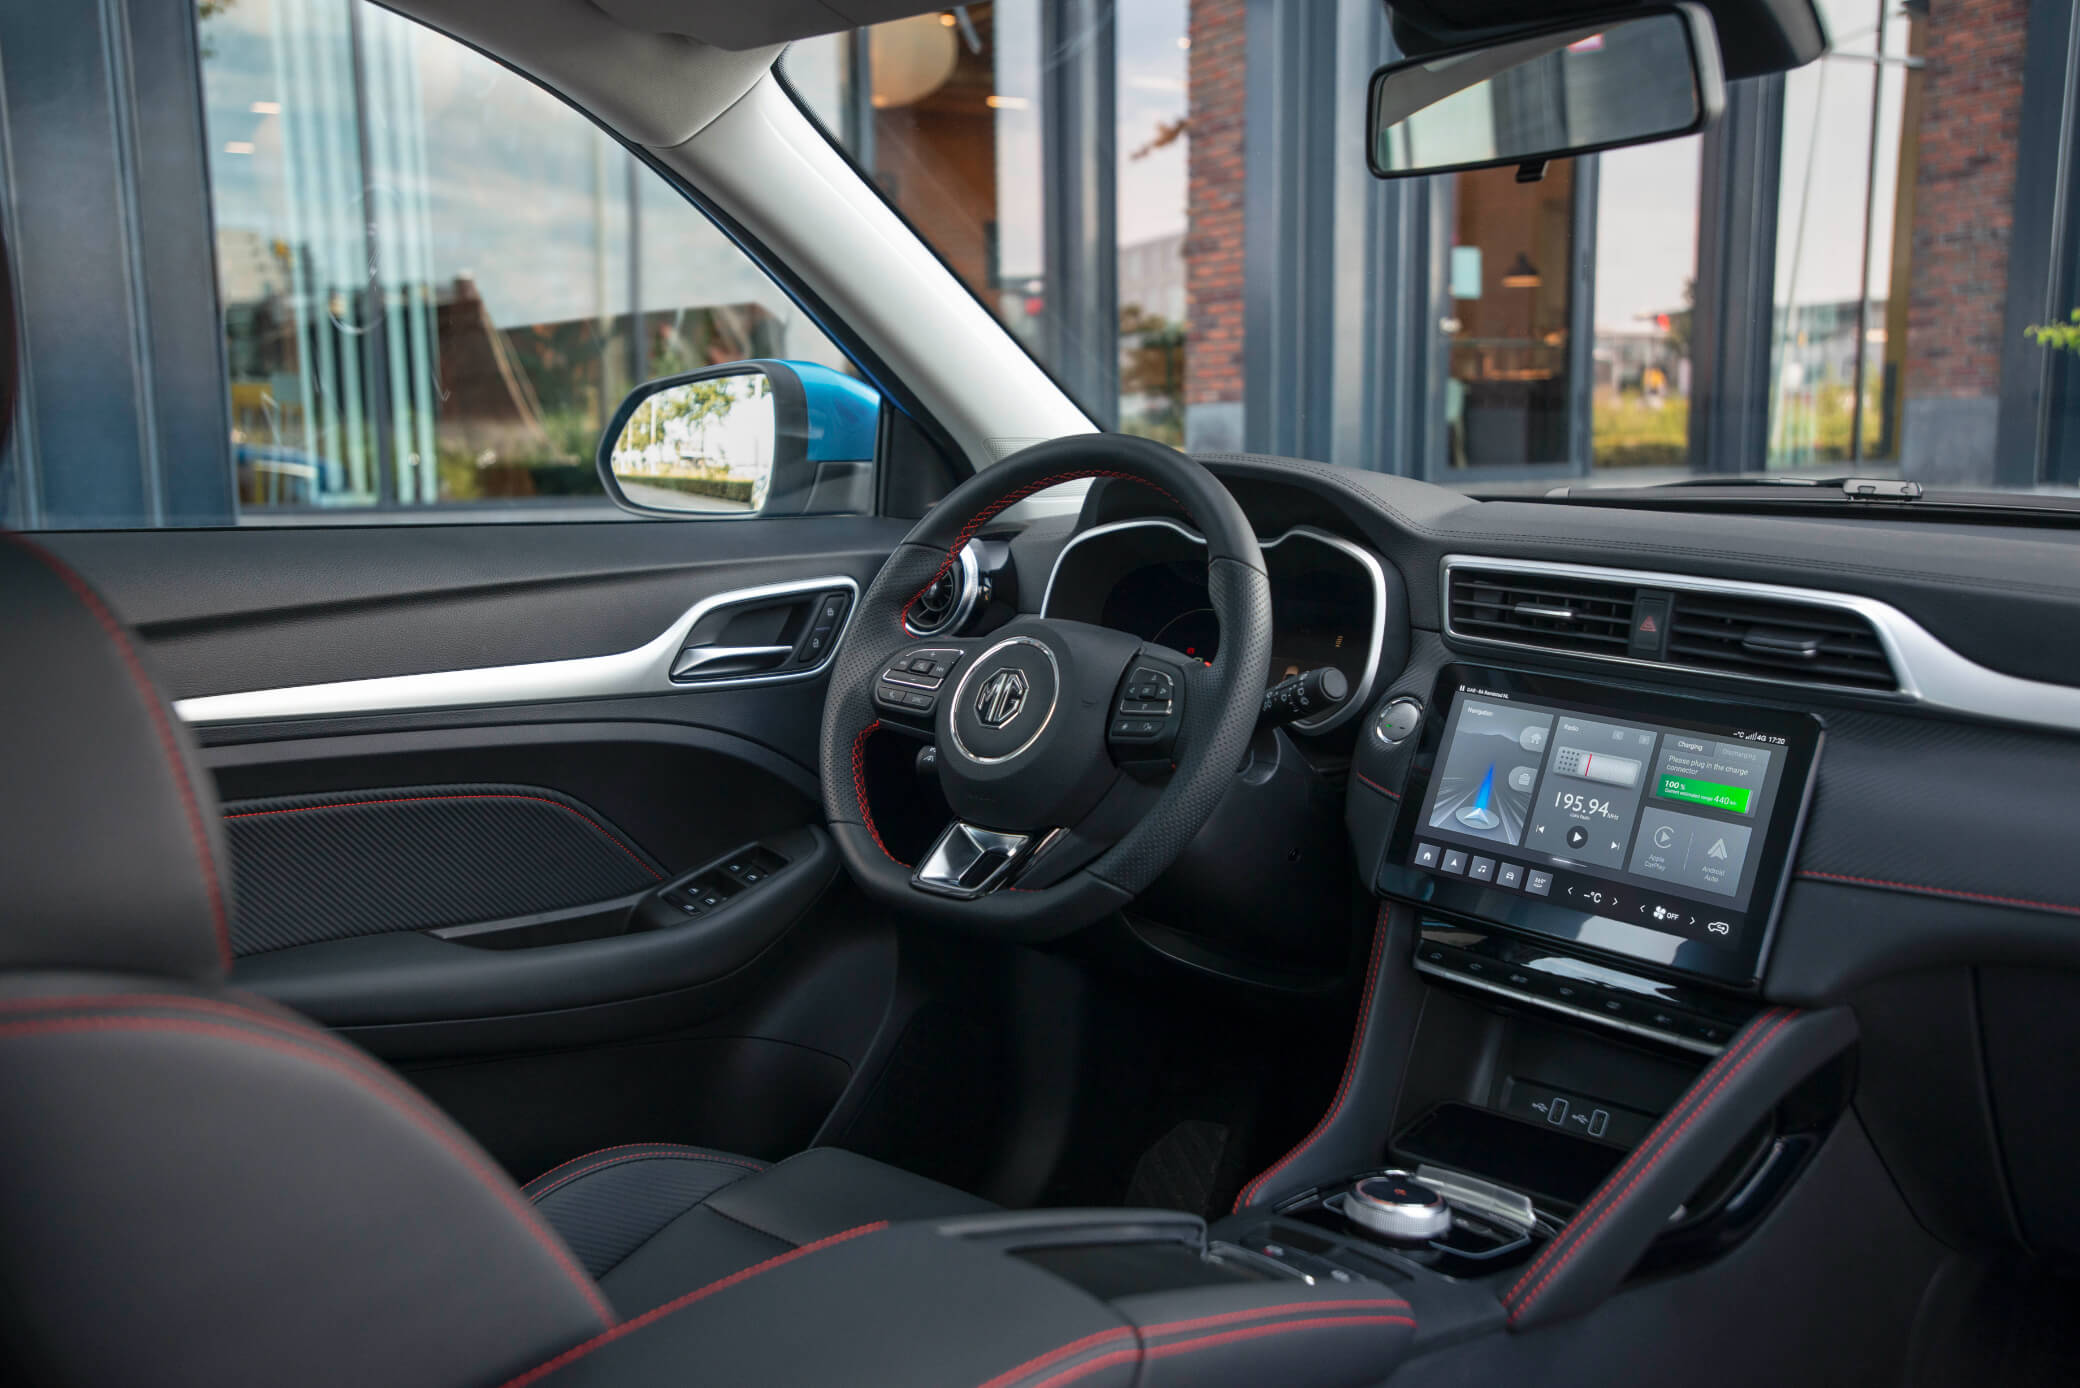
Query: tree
{"points": [[2059, 337]]}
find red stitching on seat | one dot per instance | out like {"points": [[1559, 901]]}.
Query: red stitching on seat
{"points": [[1101, 1337], [982, 517], [191, 804], [1581, 1240], [371, 1082], [579, 1351], [683, 1154], [1350, 1068], [419, 799], [859, 789], [1225, 1337], [1957, 892]]}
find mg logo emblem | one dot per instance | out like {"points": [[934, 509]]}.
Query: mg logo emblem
{"points": [[1001, 697]]}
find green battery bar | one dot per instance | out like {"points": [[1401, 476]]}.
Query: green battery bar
{"points": [[1733, 799]]}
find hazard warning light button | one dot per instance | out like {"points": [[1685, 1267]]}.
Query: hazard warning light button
{"points": [[1649, 626]]}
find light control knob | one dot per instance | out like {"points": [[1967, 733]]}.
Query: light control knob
{"points": [[1398, 1208]]}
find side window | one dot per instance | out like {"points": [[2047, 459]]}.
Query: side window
{"points": [[438, 282]]}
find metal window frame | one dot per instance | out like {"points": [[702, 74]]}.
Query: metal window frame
{"points": [[2036, 438], [112, 236], [1289, 283], [1732, 322], [1079, 211]]}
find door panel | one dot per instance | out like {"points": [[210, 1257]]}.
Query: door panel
{"points": [[231, 611], [474, 885]]}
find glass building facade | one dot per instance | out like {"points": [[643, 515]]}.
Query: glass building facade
{"points": [[430, 281], [1139, 192]]}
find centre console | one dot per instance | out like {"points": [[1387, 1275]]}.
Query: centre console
{"points": [[1563, 1071]]}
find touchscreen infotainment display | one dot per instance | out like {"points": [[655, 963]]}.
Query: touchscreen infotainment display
{"points": [[1656, 826]]}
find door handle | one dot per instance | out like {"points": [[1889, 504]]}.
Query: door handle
{"points": [[716, 662]]}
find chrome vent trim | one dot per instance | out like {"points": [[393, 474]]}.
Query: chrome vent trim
{"points": [[1929, 673], [1796, 641], [1547, 611], [962, 582], [1749, 635]]}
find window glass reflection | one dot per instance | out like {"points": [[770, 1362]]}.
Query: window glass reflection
{"points": [[1835, 371], [438, 280], [1510, 271], [1153, 150], [1646, 290]]}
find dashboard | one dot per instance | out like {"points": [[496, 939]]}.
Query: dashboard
{"points": [[1148, 578], [1650, 771], [1914, 814]]}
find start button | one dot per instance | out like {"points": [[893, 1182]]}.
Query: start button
{"points": [[1396, 721]]}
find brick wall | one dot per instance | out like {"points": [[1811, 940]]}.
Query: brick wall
{"points": [[1214, 207], [1964, 197]]}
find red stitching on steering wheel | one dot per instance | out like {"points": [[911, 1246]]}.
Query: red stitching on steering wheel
{"points": [[859, 789], [982, 517]]}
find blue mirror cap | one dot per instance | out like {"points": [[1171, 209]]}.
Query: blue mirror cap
{"points": [[844, 413]]}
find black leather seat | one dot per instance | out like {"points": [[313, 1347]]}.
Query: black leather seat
{"points": [[200, 1187], [648, 1222]]}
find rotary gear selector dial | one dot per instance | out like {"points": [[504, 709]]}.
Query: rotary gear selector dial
{"points": [[1398, 1208]]}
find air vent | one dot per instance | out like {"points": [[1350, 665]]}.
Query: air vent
{"points": [[1581, 615], [1777, 640], [948, 600]]}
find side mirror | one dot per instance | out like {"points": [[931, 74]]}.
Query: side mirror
{"points": [[1563, 90], [746, 438]]}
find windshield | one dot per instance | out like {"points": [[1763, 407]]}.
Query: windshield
{"points": [[1861, 270]]}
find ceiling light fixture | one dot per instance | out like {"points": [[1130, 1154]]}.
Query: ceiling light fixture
{"points": [[1521, 274]]}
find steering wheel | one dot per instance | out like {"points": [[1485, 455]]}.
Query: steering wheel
{"points": [[1078, 760]]}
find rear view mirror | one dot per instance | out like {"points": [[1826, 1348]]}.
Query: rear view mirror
{"points": [[746, 438], [1586, 86]]}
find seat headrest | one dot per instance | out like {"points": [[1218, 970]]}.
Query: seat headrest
{"points": [[111, 851]]}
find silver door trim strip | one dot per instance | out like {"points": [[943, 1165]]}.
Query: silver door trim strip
{"points": [[1365, 559], [645, 670], [1931, 674]]}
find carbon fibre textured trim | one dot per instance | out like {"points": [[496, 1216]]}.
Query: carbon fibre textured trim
{"points": [[332, 867]]}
